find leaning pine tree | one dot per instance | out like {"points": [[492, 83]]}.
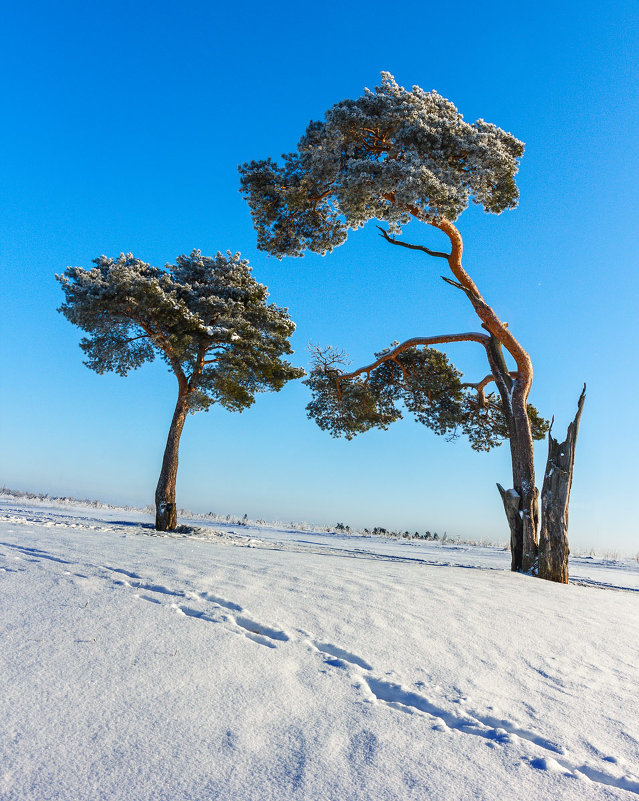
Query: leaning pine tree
{"points": [[207, 318], [394, 156]]}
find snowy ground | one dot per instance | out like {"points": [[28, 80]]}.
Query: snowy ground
{"points": [[251, 664]]}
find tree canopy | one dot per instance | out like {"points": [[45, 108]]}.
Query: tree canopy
{"points": [[388, 155], [207, 318], [421, 381], [391, 155]]}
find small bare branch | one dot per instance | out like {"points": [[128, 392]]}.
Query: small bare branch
{"points": [[223, 347], [132, 339], [483, 325], [327, 357], [476, 300], [486, 380], [456, 284], [393, 241], [481, 385]]}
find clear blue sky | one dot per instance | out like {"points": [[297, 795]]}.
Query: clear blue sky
{"points": [[123, 125]]}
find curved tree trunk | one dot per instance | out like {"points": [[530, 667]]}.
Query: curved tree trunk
{"points": [[514, 394], [555, 497], [521, 503], [165, 508]]}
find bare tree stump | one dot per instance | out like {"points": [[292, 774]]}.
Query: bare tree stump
{"points": [[555, 497]]}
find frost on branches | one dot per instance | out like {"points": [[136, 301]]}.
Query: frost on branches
{"points": [[379, 157], [207, 318], [395, 156]]}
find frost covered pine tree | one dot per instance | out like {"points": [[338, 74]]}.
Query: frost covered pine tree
{"points": [[207, 318], [396, 156]]}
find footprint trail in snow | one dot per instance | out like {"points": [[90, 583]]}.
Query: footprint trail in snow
{"points": [[205, 607]]}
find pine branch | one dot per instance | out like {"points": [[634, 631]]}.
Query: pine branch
{"points": [[132, 339], [471, 336], [165, 346]]}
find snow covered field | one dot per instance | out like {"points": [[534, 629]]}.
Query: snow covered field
{"points": [[251, 664]]}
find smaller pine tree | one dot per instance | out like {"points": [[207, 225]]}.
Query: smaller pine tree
{"points": [[207, 318]]}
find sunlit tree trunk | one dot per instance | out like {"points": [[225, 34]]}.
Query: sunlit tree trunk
{"points": [[514, 393], [165, 507]]}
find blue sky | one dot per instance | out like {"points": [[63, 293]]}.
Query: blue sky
{"points": [[123, 128]]}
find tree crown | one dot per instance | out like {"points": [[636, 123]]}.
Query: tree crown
{"points": [[387, 155], [207, 318]]}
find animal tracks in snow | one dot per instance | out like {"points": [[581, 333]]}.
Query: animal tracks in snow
{"points": [[203, 606], [150, 599], [257, 632], [253, 630], [198, 613], [208, 596], [495, 731], [499, 731], [263, 631], [35, 554], [340, 655]]}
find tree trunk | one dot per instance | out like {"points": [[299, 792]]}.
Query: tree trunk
{"points": [[521, 503], [511, 500], [165, 508], [521, 448], [555, 497]]}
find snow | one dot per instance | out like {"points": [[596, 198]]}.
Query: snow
{"points": [[256, 663]]}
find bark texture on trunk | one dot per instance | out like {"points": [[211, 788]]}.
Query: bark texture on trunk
{"points": [[521, 449], [165, 506], [511, 500], [555, 497]]}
